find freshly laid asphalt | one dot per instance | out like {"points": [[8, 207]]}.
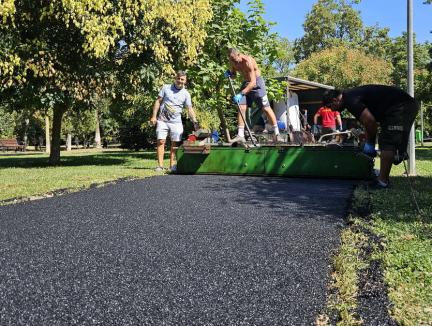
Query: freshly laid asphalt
{"points": [[173, 250]]}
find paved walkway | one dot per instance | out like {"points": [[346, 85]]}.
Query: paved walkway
{"points": [[172, 250]]}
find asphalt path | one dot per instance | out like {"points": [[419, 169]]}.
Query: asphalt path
{"points": [[173, 250]]}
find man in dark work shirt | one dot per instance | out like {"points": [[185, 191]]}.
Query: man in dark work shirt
{"points": [[392, 108]]}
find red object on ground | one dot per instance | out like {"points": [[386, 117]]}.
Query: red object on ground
{"points": [[192, 138]]}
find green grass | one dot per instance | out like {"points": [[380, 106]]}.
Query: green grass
{"points": [[27, 175], [407, 241], [344, 287], [407, 256]]}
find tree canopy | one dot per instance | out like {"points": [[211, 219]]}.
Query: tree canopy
{"points": [[59, 54], [343, 67], [332, 23]]}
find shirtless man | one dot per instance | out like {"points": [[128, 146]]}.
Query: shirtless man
{"points": [[252, 90]]}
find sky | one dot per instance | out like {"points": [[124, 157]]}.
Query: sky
{"points": [[289, 16]]}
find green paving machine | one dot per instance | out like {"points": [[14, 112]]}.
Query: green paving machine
{"points": [[336, 155]]}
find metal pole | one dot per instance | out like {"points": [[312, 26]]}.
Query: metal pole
{"points": [[421, 123], [410, 50]]}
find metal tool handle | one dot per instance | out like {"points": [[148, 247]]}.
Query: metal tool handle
{"points": [[241, 113]]}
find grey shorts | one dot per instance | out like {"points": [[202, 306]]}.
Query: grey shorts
{"points": [[257, 95]]}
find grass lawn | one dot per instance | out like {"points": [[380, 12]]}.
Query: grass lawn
{"points": [[28, 174], [405, 251]]}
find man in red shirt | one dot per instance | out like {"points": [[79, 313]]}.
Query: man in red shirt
{"points": [[330, 120]]}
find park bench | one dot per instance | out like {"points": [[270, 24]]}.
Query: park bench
{"points": [[10, 144]]}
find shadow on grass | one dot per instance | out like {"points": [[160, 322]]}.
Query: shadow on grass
{"points": [[397, 203], [101, 159], [424, 153]]}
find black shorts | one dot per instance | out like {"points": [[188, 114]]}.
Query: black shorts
{"points": [[257, 95], [396, 127]]}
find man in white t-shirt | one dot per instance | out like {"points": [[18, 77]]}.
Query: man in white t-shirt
{"points": [[167, 110]]}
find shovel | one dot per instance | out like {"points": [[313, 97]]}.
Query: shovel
{"points": [[242, 115]]}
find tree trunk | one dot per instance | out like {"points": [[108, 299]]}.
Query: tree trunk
{"points": [[224, 124], [54, 158], [47, 135], [69, 142], [97, 132]]}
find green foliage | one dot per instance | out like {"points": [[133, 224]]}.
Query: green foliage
{"points": [[132, 117], [229, 27], [284, 58], [333, 23], [343, 67], [398, 56], [59, 54], [7, 124]]}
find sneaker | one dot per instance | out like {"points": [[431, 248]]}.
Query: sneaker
{"points": [[238, 139], [173, 168], [378, 185], [159, 169]]}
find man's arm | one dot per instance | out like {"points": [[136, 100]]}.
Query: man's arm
{"points": [[370, 124], [192, 115], [339, 121], [315, 119], [156, 107]]}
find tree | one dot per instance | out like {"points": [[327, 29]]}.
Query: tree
{"points": [[284, 59], [398, 57], [229, 27], [343, 67], [38, 70], [7, 123], [333, 23]]}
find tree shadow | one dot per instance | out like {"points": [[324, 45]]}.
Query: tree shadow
{"points": [[99, 159], [318, 199], [403, 207], [424, 153]]}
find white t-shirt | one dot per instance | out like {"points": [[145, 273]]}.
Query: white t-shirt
{"points": [[294, 111], [290, 115], [173, 102]]}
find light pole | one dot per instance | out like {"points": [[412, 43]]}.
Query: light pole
{"points": [[27, 120], [410, 52]]}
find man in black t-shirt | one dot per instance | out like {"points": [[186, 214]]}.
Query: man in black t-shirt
{"points": [[392, 108]]}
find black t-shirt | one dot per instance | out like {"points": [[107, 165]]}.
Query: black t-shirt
{"points": [[378, 99]]}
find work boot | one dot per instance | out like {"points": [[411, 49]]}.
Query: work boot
{"points": [[238, 139]]}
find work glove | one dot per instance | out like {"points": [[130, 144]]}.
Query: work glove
{"points": [[215, 136], [237, 98], [281, 125], [196, 125], [315, 130], [369, 149], [228, 74]]}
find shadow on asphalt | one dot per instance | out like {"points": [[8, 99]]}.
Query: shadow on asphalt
{"points": [[283, 195]]}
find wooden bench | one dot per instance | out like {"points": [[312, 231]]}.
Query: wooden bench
{"points": [[12, 144]]}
